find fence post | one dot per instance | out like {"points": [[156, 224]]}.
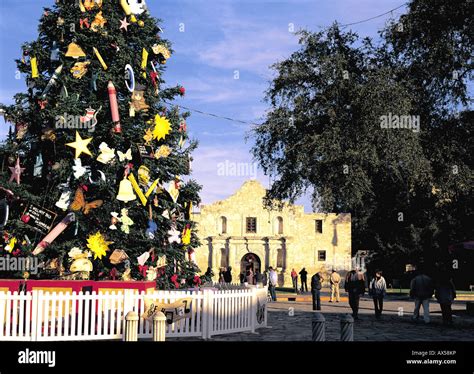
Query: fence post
{"points": [[347, 328], [34, 316], [318, 327], [131, 327], [208, 313], [254, 308], [127, 307], [159, 320]]}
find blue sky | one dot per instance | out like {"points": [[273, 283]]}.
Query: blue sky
{"points": [[221, 38]]}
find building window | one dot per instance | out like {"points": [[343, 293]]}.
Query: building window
{"points": [[223, 225], [321, 255], [251, 225], [280, 225], [280, 258], [319, 226], [224, 258]]}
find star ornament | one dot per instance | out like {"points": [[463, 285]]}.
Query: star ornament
{"points": [[80, 145], [124, 24], [16, 171], [162, 127]]}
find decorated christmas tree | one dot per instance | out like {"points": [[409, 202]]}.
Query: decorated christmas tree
{"points": [[91, 179]]}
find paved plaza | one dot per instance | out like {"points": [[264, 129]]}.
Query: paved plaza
{"points": [[291, 321]]}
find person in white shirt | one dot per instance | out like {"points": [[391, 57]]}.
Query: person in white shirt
{"points": [[378, 290], [272, 282]]}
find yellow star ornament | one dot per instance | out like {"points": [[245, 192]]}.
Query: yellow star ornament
{"points": [[80, 145], [162, 127], [98, 245]]}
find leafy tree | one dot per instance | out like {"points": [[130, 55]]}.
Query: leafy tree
{"points": [[408, 190]]}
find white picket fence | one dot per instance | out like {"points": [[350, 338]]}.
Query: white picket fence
{"points": [[44, 316]]}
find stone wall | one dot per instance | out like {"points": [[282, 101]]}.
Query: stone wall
{"points": [[293, 243]]}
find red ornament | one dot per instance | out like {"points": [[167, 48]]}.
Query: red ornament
{"points": [[174, 279], [197, 280], [182, 91], [113, 273], [25, 218]]}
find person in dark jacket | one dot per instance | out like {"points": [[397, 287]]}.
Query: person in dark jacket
{"points": [[242, 278], [316, 285], [228, 275], [304, 277], [355, 287], [421, 289], [445, 293]]}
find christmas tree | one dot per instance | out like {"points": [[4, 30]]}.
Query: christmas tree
{"points": [[91, 175]]}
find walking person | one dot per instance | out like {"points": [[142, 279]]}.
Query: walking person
{"points": [[355, 287], [242, 278], [294, 279], [334, 280], [228, 275], [316, 285], [445, 293], [421, 289], [249, 276], [304, 277], [273, 279], [378, 290], [221, 275]]}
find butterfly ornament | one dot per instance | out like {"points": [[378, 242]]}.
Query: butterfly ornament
{"points": [[80, 203]]}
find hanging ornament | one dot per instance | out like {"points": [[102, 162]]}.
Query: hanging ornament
{"points": [[143, 197], [151, 274], [118, 256], [16, 172], [124, 24], [127, 156], [144, 61], [151, 229], [138, 101], [60, 21], [54, 52], [90, 119], [99, 57], [129, 78], [38, 167], [98, 245], [162, 127], [143, 258], [94, 78], [128, 11], [162, 152], [114, 110], [186, 236], [63, 202], [137, 7], [52, 82], [42, 103], [21, 128], [48, 135], [173, 191], [173, 236], [54, 233], [80, 145], [98, 23], [182, 125], [181, 142], [4, 213], [114, 220], [182, 91], [11, 244], [89, 4], [74, 51], [126, 221], [162, 52], [126, 193], [80, 204], [80, 69], [107, 154], [80, 170], [84, 22], [154, 75], [148, 137], [143, 175], [34, 67]]}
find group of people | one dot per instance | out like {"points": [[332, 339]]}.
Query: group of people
{"points": [[422, 288]]}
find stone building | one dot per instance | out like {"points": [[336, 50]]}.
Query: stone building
{"points": [[240, 233]]}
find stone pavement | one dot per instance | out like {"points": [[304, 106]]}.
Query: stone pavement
{"points": [[392, 326]]}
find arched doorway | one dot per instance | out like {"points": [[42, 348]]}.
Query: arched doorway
{"points": [[250, 261]]}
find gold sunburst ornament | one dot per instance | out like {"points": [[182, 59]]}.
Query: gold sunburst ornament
{"points": [[98, 245], [162, 127]]}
